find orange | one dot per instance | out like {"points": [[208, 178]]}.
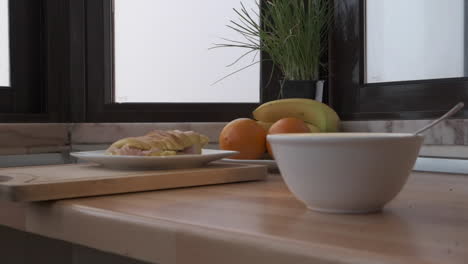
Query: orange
{"points": [[246, 136], [287, 125]]}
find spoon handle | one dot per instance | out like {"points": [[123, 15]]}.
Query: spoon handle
{"points": [[452, 111]]}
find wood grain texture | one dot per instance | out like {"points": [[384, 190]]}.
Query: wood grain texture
{"points": [[79, 180], [262, 222]]}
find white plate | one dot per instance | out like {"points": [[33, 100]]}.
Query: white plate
{"points": [[167, 162], [271, 164]]}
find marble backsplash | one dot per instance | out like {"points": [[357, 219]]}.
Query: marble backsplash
{"points": [[18, 139], [451, 132]]}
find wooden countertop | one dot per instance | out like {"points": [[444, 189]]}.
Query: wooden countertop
{"points": [[261, 222]]}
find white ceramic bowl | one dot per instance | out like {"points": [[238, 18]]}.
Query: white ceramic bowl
{"points": [[345, 172]]}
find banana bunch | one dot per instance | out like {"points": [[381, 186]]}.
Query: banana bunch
{"points": [[315, 114]]}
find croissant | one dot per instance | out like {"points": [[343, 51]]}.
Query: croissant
{"points": [[160, 143]]}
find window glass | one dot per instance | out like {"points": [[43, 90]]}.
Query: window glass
{"points": [[4, 45], [162, 53], [414, 40]]}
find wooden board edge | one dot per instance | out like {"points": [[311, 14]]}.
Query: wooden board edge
{"points": [[251, 172]]}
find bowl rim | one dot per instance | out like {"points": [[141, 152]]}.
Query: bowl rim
{"points": [[341, 136]]}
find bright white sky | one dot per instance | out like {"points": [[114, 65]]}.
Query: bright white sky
{"points": [[4, 46], [417, 39], [161, 52]]}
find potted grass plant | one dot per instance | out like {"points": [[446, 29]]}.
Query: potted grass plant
{"points": [[291, 32]]}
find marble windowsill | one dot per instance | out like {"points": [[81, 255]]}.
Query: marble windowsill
{"points": [[452, 132], [19, 139], [449, 139]]}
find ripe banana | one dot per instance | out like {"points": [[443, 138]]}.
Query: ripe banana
{"points": [[310, 111]]}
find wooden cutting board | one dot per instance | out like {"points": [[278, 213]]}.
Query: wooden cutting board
{"points": [[42, 183]]}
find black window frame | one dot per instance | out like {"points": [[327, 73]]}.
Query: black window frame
{"points": [[25, 60], [38, 63], [355, 100]]}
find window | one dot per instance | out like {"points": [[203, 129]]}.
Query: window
{"points": [[139, 69], [162, 53], [77, 61], [4, 45], [433, 36], [57, 63], [405, 81], [119, 61]]}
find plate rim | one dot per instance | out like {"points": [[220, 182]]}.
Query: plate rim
{"points": [[95, 153], [251, 160]]}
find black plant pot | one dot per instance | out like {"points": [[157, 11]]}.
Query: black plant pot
{"points": [[298, 89]]}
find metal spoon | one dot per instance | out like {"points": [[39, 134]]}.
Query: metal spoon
{"points": [[452, 111]]}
